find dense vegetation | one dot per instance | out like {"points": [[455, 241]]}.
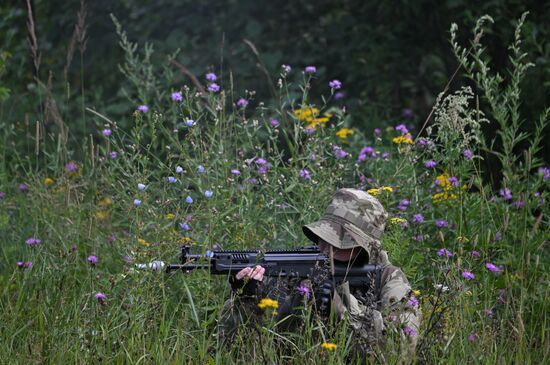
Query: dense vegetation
{"points": [[96, 178]]}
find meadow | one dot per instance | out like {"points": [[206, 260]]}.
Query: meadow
{"points": [[209, 165]]}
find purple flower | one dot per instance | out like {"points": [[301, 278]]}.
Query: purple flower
{"points": [[113, 155], [213, 87], [310, 70], [286, 69], [242, 103], [409, 331], [92, 259], [377, 132], [208, 194], [185, 226], [454, 181], [235, 172], [441, 223], [310, 130], [489, 313], [405, 202], [339, 95], [71, 166], [101, 298], [143, 108], [418, 218], [545, 172], [413, 302], [385, 155], [106, 132], [498, 236], [493, 268], [305, 174], [444, 252], [475, 253], [111, 238], [506, 194], [519, 204], [189, 122], [176, 96], [179, 169], [211, 76], [418, 238], [468, 275], [304, 291], [33, 241], [141, 186], [402, 128], [339, 152], [274, 122], [171, 179], [335, 84], [2, 195], [23, 187], [407, 113], [468, 154], [137, 202], [472, 337], [189, 200], [24, 264], [201, 169], [430, 164], [422, 141]]}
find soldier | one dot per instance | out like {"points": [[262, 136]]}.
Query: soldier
{"points": [[350, 231]]}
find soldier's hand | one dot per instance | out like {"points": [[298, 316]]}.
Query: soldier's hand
{"points": [[256, 273]]}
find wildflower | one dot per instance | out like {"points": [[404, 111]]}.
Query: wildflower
{"points": [[344, 132], [403, 139], [268, 303], [519, 204], [71, 166], [418, 238], [468, 275], [404, 204], [102, 214], [441, 223], [305, 174], [397, 220], [339, 95], [92, 259], [142, 242], [274, 122], [489, 313], [498, 236], [171, 179], [141, 186], [143, 109], [24, 264], [374, 191], [189, 200], [101, 298], [211, 76], [418, 218], [493, 268], [2, 195], [137, 202], [176, 96], [402, 128], [377, 132], [179, 169], [407, 113], [335, 84], [416, 292], [413, 302], [506, 194], [189, 122], [422, 141], [472, 337], [304, 290], [213, 87], [454, 181], [339, 152], [208, 194], [444, 196], [242, 103], [545, 172], [185, 226], [385, 155], [409, 331], [235, 172], [310, 69], [430, 164], [49, 181], [310, 130], [113, 155], [106, 132], [444, 252], [33, 241], [368, 151], [105, 202], [468, 154], [475, 253], [286, 69], [328, 346], [201, 169]]}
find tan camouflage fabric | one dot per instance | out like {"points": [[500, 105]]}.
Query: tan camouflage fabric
{"points": [[355, 218]]}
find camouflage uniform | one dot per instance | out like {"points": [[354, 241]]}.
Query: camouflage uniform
{"points": [[356, 219]]}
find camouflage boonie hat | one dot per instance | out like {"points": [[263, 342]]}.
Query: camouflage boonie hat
{"points": [[354, 218]]}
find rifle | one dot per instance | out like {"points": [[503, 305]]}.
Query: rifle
{"points": [[296, 263]]}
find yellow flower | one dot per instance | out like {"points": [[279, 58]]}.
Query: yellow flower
{"points": [[374, 192], [440, 197], [102, 214], [416, 293], [170, 216], [49, 181], [141, 241], [444, 181], [105, 202], [344, 132], [397, 220], [304, 114], [403, 139], [389, 189], [268, 303], [329, 346]]}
